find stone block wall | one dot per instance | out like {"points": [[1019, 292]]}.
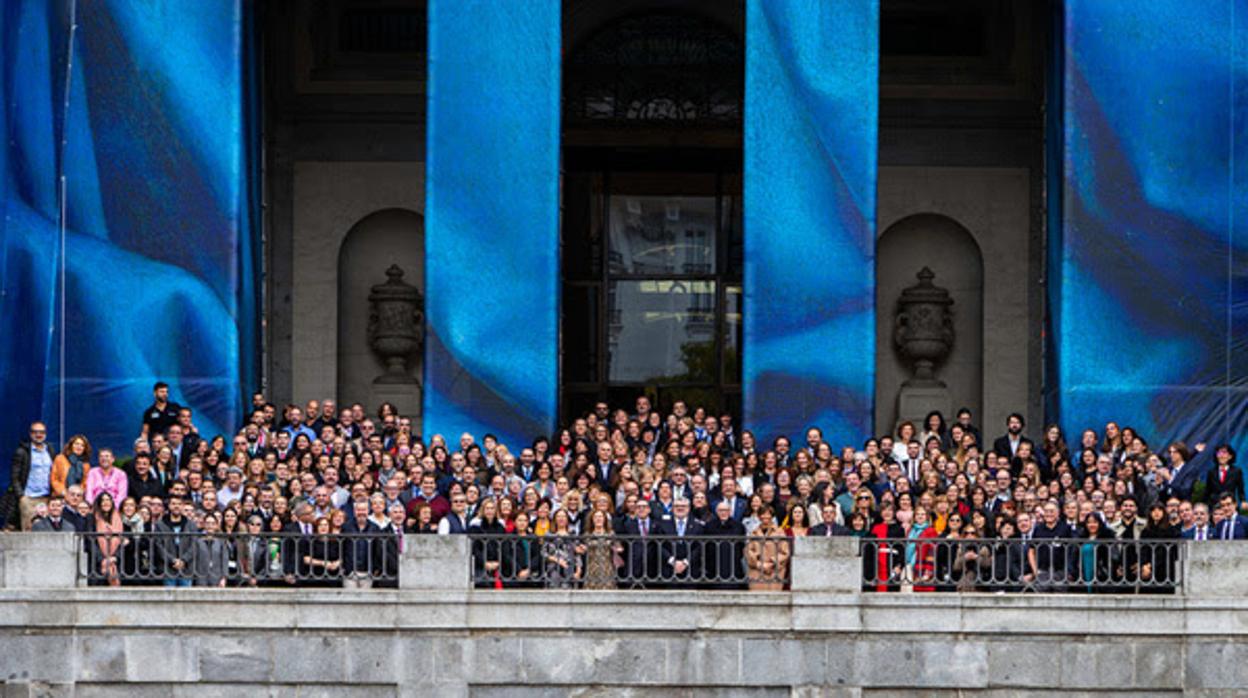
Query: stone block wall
{"points": [[438, 637]]}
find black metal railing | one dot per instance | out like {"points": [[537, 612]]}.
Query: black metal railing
{"points": [[501, 561], [269, 559], [1013, 564]]}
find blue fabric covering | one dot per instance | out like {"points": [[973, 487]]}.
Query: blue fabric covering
{"points": [[492, 219], [810, 172], [1150, 299], [138, 147]]}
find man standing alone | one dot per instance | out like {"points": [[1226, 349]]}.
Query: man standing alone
{"points": [[32, 474]]}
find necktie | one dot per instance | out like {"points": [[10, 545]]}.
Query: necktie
{"points": [[645, 527], [680, 528], [1200, 533], [400, 541]]}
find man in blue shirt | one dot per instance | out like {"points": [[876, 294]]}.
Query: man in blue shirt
{"points": [[296, 425], [32, 474]]}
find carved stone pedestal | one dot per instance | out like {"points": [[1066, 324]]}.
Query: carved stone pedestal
{"points": [[923, 334], [914, 403]]}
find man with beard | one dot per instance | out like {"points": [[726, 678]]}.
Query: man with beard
{"points": [[1008, 444]]}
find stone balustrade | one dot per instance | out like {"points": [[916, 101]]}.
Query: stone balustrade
{"points": [[438, 636]]}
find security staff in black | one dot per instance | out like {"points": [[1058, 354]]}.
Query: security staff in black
{"points": [[162, 413]]}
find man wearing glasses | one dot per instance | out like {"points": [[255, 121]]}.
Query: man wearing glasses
{"points": [[32, 475], [457, 520]]}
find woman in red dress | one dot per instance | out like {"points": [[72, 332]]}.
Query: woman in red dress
{"points": [[889, 556]]}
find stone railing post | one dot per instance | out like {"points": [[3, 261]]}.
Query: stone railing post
{"points": [[433, 562], [39, 560], [1216, 568], [826, 564]]}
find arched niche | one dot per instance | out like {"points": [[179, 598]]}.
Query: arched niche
{"points": [[951, 252], [385, 237]]}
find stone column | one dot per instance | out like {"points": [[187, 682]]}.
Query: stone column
{"points": [[39, 560], [1216, 568], [826, 564], [436, 562]]}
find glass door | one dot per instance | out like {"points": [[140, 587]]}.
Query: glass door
{"points": [[652, 287]]}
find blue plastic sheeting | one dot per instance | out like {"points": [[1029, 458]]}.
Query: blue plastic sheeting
{"points": [[129, 132], [1151, 296], [492, 219], [810, 173]]}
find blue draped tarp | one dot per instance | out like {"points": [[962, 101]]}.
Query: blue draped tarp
{"points": [[127, 199], [1150, 293], [492, 219], [810, 174]]}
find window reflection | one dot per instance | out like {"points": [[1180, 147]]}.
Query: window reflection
{"points": [[661, 331], [662, 235]]}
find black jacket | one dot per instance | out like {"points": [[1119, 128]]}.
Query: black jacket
{"points": [[821, 530], [1001, 446], [361, 551], [1234, 485], [723, 558], [10, 499], [687, 548], [140, 488]]}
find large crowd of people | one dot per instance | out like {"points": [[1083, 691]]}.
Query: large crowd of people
{"points": [[571, 502]]}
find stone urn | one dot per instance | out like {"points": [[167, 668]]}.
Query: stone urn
{"points": [[923, 330], [396, 326]]}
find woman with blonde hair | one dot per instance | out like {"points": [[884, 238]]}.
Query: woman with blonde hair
{"points": [[72, 465]]}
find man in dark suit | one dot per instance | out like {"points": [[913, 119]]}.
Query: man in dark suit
{"points": [[1202, 530], [182, 450], [54, 521], [527, 469], [644, 555], [359, 539], [1008, 444], [1225, 477], [682, 555], [298, 542], [725, 547], [728, 493], [389, 549], [829, 527], [1233, 526], [680, 484], [605, 465]]}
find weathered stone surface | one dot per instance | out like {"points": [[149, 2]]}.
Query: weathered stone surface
{"points": [[243, 658], [1217, 569], [704, 660], [453, 640], [599, 658], [826, 564], [1023, 663], [38, 560], [435, 562], [960, 664], [1214, 664], [798, 660], [1097, 664], [37, 689]]}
